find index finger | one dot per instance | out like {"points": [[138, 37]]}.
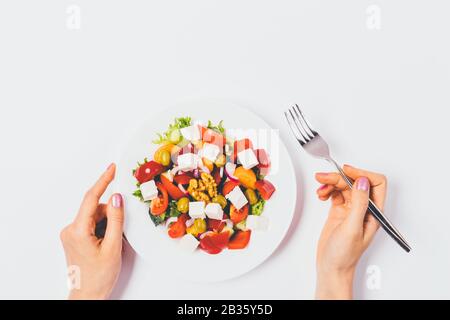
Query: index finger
{"points": [[332, 178], [375, 179], [378, 183], [92, 197]]}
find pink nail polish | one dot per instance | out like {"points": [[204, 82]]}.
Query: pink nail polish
{"points": [[322, 187], [117, 200], [362, 184]]}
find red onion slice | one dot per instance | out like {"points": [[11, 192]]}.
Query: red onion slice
{"points": [[229, 171], [174, 170], [204, 234], [189, 222], [180, 186]]}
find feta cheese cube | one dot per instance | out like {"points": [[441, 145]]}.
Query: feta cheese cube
{"points": [[214, 211], [237, 198], [191, 133], [248, 158], [188, 243], [149, 190], [197, 209], [187, 161], [210, 151], [257, 223]]}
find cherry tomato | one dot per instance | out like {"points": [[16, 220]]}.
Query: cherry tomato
{"points": [[184, 217], [238, 215], [214, 243], [240, 145], [206, 244], [148, 171], [215, 225], [183, 178], [240, 240], [246, 176], [265, 188], [228, 187], [173, 190], [177, 229], [159, 205]]}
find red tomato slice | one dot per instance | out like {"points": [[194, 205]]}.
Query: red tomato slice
{"points": [[215, 225], [173, 190], [183, 178], [214, 243], [238, 215], [228, 187], [240, 240], [265, 188], [148, 171], [159, 205], [241, 145], [184, 217], [177, 229], [263, 158], [220, 240], [206, 244]]}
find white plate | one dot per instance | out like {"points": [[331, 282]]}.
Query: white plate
{"points": [[154, 245]]}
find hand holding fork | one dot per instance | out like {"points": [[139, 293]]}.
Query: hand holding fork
{"points": [[316, 146]]}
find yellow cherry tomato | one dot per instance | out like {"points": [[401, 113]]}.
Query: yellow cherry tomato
{"points": [[246, 177]]}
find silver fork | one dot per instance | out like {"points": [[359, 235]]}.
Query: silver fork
{"points": [[313, 143]]}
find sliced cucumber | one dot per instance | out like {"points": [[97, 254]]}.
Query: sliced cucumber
{"points": [[241, 225], [230, 230], [175, 136]]}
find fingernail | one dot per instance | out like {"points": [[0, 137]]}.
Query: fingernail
{"points": [[348, 166], [109, 167], [362, 184], [323, 187], [117, 200]]}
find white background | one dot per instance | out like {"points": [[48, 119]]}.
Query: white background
{"points": [[380, 98]]}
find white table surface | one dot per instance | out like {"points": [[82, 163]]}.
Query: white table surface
{"points": [[380, 97]]}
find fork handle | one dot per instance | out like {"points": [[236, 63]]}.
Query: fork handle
{"points": [[377, 213]]}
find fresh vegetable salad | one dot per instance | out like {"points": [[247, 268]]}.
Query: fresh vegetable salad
{"points": [[205, 188]]}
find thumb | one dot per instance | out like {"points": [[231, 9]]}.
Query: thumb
{"points": [[359, 203], [114, 227]]}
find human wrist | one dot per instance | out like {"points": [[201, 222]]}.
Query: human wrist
{"points": [[334, 284]]}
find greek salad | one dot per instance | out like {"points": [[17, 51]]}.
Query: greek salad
{"points": [[204, 187]]}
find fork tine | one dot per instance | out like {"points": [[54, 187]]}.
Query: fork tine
{"points": [[295, 132], [298, 124], [306, 121], [310, 135]]}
